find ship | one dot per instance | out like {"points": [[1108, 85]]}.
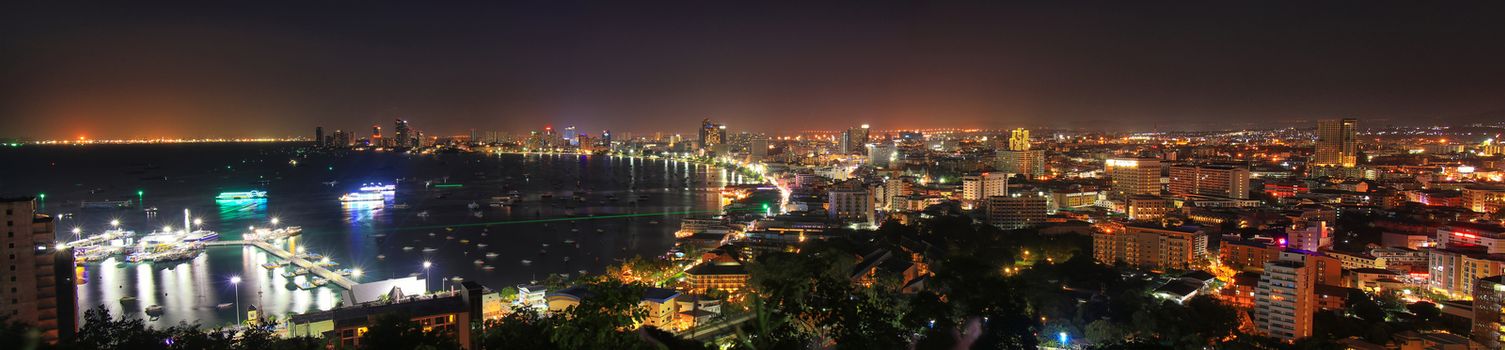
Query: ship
{"points": [[230, 196], [362, 197]]}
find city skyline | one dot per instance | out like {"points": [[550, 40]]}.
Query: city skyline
{"points": [[240, 71]]}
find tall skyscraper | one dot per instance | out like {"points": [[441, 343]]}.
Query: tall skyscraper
{"points": [[319, 136], [571, 135], [1229, 181], [376, 140], [1018, 158], [39, 277], [854, 140], [404, 136], [1019, 140], [1285, 298], [711, 134], [606, 140], [1133, 176], [1337, 144]]}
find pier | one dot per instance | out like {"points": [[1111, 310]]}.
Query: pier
{"points": [[312, 267]]}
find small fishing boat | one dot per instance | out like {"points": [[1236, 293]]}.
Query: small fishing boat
{"points": [[154, 310], [223, 306], [430, 250], [481, 245], [381, 256], [126, 300], [527, 262], [407, 248], [479, 262], [492, 255], [488, 267]]}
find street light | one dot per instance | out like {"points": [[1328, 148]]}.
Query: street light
{"points": [[236, 281], [115, 223], [274, 222], [426, 265], [356, 273], [198, 221], [77, 233]]}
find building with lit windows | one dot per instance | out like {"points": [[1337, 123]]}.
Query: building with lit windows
{"points": [[1229, 181], [1133, 176], [1484, 198], [450, 313], [1016, 211], [1453, 270], [1309, 237], [1337, 143], [1489, 236], [1489, 312], [984, 185], [726, 276], [1148, 207], [1150, 246], [39, 275], [854, 140], [850, 202], [1284, 300]]}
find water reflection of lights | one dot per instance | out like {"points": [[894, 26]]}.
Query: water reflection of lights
{"points": [[361, 211]]}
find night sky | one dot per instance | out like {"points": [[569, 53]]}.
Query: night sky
{"points": [[271, 68]]}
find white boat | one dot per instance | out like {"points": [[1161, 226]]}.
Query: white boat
{"points": [[480, 262], [407, 248], [381, 256], [488, 268], [481, 245], [154, 310], [362, 197], [224, 305], [527, 262], [492, 255]]}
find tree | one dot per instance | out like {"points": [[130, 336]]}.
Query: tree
{"points": [[399, 332], [1103, 331], [521, 329], [602, 318]]}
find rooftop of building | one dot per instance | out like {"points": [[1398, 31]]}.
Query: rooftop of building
{"points": [[718, 268], [415, 306]]}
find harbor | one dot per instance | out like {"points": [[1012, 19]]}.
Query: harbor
{"points": [[524, 202]]}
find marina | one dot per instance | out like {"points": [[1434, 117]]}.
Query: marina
{"points": [[379, 238]]}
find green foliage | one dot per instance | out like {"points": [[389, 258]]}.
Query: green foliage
{"points": [[399, 332], [602, 320], [101, 331]]}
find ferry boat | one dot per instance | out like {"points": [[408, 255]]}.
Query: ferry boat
{"points": [[362, 197], [201, 236], [228, 196]]}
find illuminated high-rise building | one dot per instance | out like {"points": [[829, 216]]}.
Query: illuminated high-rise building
{"points": [[854, 140], [984, 185], [319, 136], [571, 135], [1133, 176], [1285, 298], [1229, 181], [606, 140], [1337, 144], [1029, 162], [404, 134], [712, 136], [1019, 140], [39, 288], [1016, 211]]}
